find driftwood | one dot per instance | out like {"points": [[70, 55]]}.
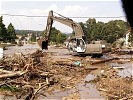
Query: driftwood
{"points": [[5, 71], [67, 63], [46, 74], [33, 95], [129, 97], [103, 61], [19, 83], [2, 66], [62, 63], [30, 91], [91, 68], [10, 74]]}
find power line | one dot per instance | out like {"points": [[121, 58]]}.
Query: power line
{"points": [[22, 15], [68, 17]]}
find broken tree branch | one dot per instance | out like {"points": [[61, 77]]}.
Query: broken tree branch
{"points": [[33, 96], [103, 61], [5, 71], [13, 74]]}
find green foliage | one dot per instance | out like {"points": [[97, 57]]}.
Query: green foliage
{"points": [[114, 30], [3, 31], [56, 36], [53, 35], [91, 21], [7, 35], [110, 31], [90, 29], [85, 30], [61, 37], [33, 37], [24, 32], [9, 88], [11, 36]]}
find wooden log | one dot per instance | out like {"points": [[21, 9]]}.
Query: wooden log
{"points": [[34, 94], [62, 63], [12, 74], [46, 74], [103, 61], [128, 97], [2, 66], [19, 83], [5, 71]]}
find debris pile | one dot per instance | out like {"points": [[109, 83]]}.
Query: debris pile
{"points": [[24, 73], [38, 74], [27, 75], [112, 86], [123, 51]]}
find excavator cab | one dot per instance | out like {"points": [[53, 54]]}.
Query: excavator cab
{"points": [[77, 45]]}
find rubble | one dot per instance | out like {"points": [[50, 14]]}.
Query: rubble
{"points": [[29, 76], [34, 72], [113, 86]]}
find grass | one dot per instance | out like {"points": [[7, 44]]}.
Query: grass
{"points": [[7, 87]]}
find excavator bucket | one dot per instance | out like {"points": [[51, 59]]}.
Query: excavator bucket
{"points": [[43, 44]]}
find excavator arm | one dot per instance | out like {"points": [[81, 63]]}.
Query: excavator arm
{"points": [[44, 42], [66, 21]]}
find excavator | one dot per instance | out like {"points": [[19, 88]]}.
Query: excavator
{"points": [[78, 43]]}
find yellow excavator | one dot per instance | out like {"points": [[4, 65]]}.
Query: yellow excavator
{"points": [[78, 43]]}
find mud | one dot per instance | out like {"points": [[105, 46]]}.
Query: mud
{"points": [[70, 77]]}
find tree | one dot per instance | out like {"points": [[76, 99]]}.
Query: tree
{"points": [[55, 36], [114, 30], [11, 36], [85, 31], [33, 37], [110, 31], [61, 38], [90, 23], [3, 31]]}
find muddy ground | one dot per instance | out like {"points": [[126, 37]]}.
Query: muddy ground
{"points": [[27, 73]]}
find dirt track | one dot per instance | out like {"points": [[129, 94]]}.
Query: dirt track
{"points": [[68, 77]]}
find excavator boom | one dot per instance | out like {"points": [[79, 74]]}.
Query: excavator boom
{"points": [[66, 21]]}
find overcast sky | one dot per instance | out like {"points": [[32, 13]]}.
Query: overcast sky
{"points": [[106, 8]]}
